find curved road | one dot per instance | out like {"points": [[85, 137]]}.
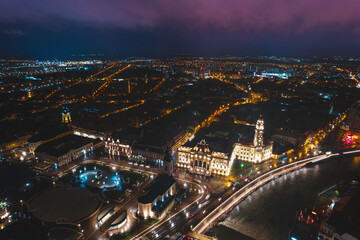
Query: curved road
{"points": [[245, 191]]}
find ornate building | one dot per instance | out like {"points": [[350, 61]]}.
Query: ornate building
{"points": [[203, 160], [256, 152]]}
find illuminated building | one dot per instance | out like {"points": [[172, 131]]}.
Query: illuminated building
{"points": [[104, 215], [159, 197], [3, 211], [118, 222], [5, 217], [129, 87], [65, 115], [17, 141], [127, 146], [117, 148], [201, 159], [66, 149], [87, 132], [257, 151]]}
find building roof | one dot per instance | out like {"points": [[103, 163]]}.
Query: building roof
{"points": [[49, 133], [61, 146], [345, 217], [157, 188], [288, 134]]}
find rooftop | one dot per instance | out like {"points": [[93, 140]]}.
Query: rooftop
{"points": [[61, 146], [157, 188], [48, 133]]}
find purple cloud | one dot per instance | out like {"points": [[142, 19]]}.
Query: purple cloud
{"points": [[240, 16]]}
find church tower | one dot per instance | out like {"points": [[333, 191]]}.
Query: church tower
{"points": [[65, 115], [259, 133]]}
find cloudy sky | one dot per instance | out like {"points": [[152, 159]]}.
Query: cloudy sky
{"points": [[55, 28]]}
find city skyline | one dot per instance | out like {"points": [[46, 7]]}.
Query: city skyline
{"points": [[179, 120]]}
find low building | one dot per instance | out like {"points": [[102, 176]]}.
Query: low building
{"points": [[353, 120], [14, 142], [3, 210], [148, 153], [118, 222], [343, 223], [42, 167], [66, 149], [288, 137], [158, 198], [88, 133]]}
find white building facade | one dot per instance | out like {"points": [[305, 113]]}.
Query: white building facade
{"points": [[256, 152], [201, 160]]}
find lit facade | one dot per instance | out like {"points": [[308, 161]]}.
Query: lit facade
{"points": [[158, 198], [256, 152], [66, 149], [201, 160], [3, 210], [65, 115], [117, 148]]}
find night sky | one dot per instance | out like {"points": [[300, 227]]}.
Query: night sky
{"points": [[59, 28]]}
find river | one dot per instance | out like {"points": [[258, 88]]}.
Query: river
{"points": [[269, 213]]}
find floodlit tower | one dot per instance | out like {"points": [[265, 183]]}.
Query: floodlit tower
{"points": [[65, 115], [29, 93], [259, 133], [129, 87]]}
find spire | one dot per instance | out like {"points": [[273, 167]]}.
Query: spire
{"points": [[259, 132], [65, 114]]}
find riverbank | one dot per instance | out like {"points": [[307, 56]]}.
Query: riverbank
{"points": [[269, 212]]}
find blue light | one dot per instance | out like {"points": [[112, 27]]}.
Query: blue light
{"points": [[294, 238], [56, 166], [27, 184]]}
